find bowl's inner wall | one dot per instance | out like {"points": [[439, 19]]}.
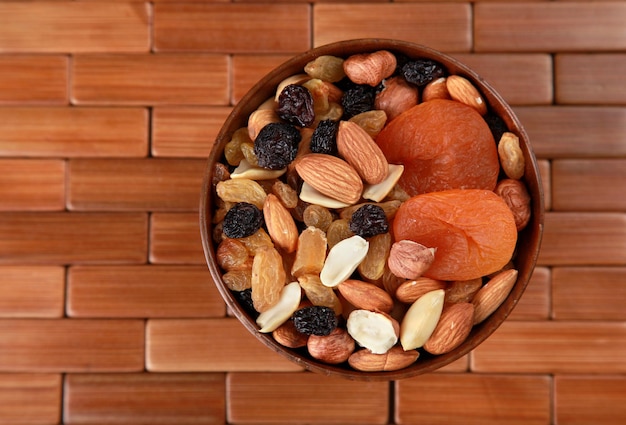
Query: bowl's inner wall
{"points": [[528, 242]]}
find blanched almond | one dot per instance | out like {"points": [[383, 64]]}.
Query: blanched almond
{"points": [[343, 259], [275, 316], [375, 331], [421, 319]]}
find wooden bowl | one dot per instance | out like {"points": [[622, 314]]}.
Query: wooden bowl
{"points": [[528, 242]]}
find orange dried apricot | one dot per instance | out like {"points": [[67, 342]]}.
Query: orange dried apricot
{"points": [[443, 145], [473, 231]]}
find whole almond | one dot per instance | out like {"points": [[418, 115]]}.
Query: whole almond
{"points": [[454, 326], [361, 151], [462, 90], [331, 176], [288, 336], [280, 224], [365, 295], [492, 294], [436, 89], [370, 68], [333, 349], [409, 291], [394, 359]]}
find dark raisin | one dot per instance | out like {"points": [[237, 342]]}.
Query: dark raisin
{"points": [[241, 220], [422, 71], [295, 105], [276, 145], [324, 138], [357, 98], [369, 220], [315, 320], [497, 126], [245, 300]]}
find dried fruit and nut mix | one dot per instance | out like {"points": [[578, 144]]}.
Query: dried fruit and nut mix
{"points": [[369, 211]]}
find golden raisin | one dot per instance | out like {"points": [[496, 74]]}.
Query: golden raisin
{"points": [[319, 294], [233, 255], [337, 231], [257, 241], [268, 278], [232, 150], [373, 265], [317, 216], [241, 190], [285, 193], [238, 280]]}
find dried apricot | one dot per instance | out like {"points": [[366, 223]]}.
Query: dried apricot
{"points": [[473, 231], [443, 145]]}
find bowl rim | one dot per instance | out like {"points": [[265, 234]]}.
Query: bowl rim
{"points": [[532, 233]]}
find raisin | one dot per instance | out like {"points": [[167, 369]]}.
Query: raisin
{"points": [[295, 105], [242, 220], [324, 139], [315, 320], [369, 220], [276, 145], [245, 300], [422, 71], [497, 126], [357, 99]]}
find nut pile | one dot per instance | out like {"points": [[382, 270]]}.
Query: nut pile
{"points": [[304, 199]]}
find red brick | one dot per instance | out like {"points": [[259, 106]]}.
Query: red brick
{"points": [[208, 345], [572, 238], [68, 345], [135, 184], [305, 398], [588, 293], [575, 131], [28, 398], [32, 291], [233, 28], [142, 291], [50, 27], [419, 23], [553, 347], [549, 26], [589, 184], [186, 131], [74, 132], [473, 399], [32, 184], [33, 79], [73, 238], [156, 79], [592, 79], [144, 398]]}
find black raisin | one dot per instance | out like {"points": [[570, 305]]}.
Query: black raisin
{"points": [[315, 320], [241, 220], [276, 145], [245, 300], [422, 71], [497, 126], [356, 99], [369, 220], [295, 105], [324, 138]]}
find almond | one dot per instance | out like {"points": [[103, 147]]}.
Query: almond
{"points": [[462, 90], [492, 294], [333, 349], [409, 291], [454, 326], [288, 336], [331, 176], [361, 151], [394, 359], [280, 224], [436, 89], [365, 295]]}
